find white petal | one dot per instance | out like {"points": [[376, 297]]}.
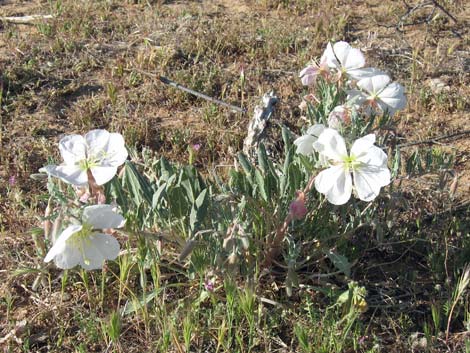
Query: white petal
{"points": [[98, 248], [341, 191], [331, 144], [72, 149], [374, 84], [316, 130], [71, 174], [341, 51], [394, 96], [354, 60], [96, 140], [325, 180], [60, 244], [374, 157], [359, 74], [308, 75], [329, 57], [362, 145], [305, 144], [115, 151], [68, 258], [355, 97], [368, 181], [103, 174], [335, 182], [102, 217]]}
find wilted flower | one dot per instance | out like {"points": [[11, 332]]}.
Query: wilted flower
{"points": [[297, 208], [378, 92], [309, 74], [366, 162], [82, 244], [305, 143], [340, 115], [98, 152]]}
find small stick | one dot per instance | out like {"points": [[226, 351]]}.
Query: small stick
{"points": [[174, 84], [435, 139], [440, 7]]}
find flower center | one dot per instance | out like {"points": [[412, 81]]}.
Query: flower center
{"points": [[86, 164], [351, 163]]}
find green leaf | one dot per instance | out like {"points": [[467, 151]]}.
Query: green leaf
{"points": [[261, 184], [177, 202], [139, 185], [340, 262], [263, 158], [166, 169], [158, 195]]}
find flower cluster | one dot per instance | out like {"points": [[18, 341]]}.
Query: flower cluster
{"points": [[90, 161], [370, 88], [368, 91]]}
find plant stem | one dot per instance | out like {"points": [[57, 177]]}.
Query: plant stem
{"points": [[274, 246]]}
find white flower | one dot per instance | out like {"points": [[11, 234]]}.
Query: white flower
{"points": [[81, 244], [342, 57], [305, 143], [347, 61], [378, 92], [367, 163], [99, 152]]}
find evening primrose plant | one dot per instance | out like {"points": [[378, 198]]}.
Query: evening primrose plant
{"points": [[292, 211]]}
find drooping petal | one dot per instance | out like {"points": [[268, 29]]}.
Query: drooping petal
{"points": [[115, 151], [103, 174], [102, 217], [308, 75], [362, 145], [68, 258], [369, 179], [72, 149], [305, 143], [71, 174], [60, 244], [331, 144], [96, 249]]}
